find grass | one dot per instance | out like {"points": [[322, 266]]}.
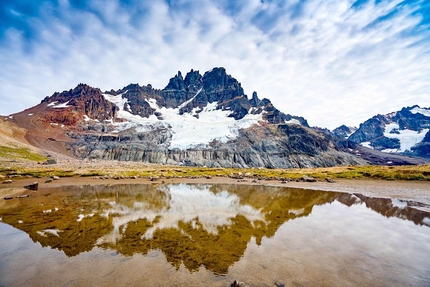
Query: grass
{"points": [[12, 153], [420, 172]]}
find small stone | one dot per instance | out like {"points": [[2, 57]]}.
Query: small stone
{"points": [[7, 181], [55, 177], [308, 178], [48, 180]]}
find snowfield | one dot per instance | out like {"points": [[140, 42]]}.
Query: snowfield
{"points": [[407, 138], [187, 131]]}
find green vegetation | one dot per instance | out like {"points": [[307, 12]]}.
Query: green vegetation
{"points": [[16, 153], [420, 172]]}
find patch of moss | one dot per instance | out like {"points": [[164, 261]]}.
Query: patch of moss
{"points": [[20, 153]]}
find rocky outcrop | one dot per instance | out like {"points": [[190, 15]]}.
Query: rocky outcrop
{"points": [[80, 101]]}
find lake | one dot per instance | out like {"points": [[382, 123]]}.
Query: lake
{"points": [[211, 235]]}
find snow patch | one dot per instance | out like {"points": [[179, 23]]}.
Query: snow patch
{"points": [[390, 150], [407, 138], [45, 232], [86, 118], [184, 104], [426, 221], [59, 106], [293, 121], [30, 114], [424, 112], [80, 217], [366, 144], [398, 203]]}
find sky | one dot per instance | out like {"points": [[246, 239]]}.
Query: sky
{"points": [[331, 61]]}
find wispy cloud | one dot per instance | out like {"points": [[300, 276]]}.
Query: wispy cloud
{"points": [[332, 62]]}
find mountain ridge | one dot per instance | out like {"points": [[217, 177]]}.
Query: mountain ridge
{"points": [[142, 123], [406, 131], [196, 120]]}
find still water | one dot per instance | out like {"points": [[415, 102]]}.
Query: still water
{"points": [[211, 235]]}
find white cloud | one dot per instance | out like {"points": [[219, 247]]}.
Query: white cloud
{"points": [[319, 59]]}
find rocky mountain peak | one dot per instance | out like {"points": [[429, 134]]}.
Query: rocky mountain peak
{"points": [[344, 131], [254, 101], [70, 107], [176, 83], [193, 80]]}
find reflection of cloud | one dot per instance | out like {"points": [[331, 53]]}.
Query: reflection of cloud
{"points": [[196, 205], [331, 61]]}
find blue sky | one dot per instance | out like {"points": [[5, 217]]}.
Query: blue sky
{"points": [[330, 61]]}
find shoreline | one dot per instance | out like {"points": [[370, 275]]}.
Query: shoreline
{"points": [[400, 189]]}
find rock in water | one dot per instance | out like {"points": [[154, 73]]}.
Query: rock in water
{"points": [[33, 186], [239, 284]]}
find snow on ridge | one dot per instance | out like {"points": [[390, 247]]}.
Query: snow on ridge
{"points": [[293, 121], [184, 104], [417, 110], [186, 129], [58, 106], [407, 138]]}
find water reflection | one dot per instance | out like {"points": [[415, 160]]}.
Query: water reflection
{"points": [[193, 225]]}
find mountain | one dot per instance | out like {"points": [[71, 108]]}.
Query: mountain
{"points": [[199, 120], [344, 131], [404, 132]]}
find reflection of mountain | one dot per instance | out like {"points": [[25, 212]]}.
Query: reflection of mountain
{"points": [[193, 225]]}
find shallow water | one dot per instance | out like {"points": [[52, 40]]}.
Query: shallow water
{"points": [[211, 235]]}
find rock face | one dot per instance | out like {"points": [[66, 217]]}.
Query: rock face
{"points": [[199, 120], [277, 146], [69, 107], [405, 131]]}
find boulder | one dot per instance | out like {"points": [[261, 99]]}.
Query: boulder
{"points": [[32, 186], [306, 178]]}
